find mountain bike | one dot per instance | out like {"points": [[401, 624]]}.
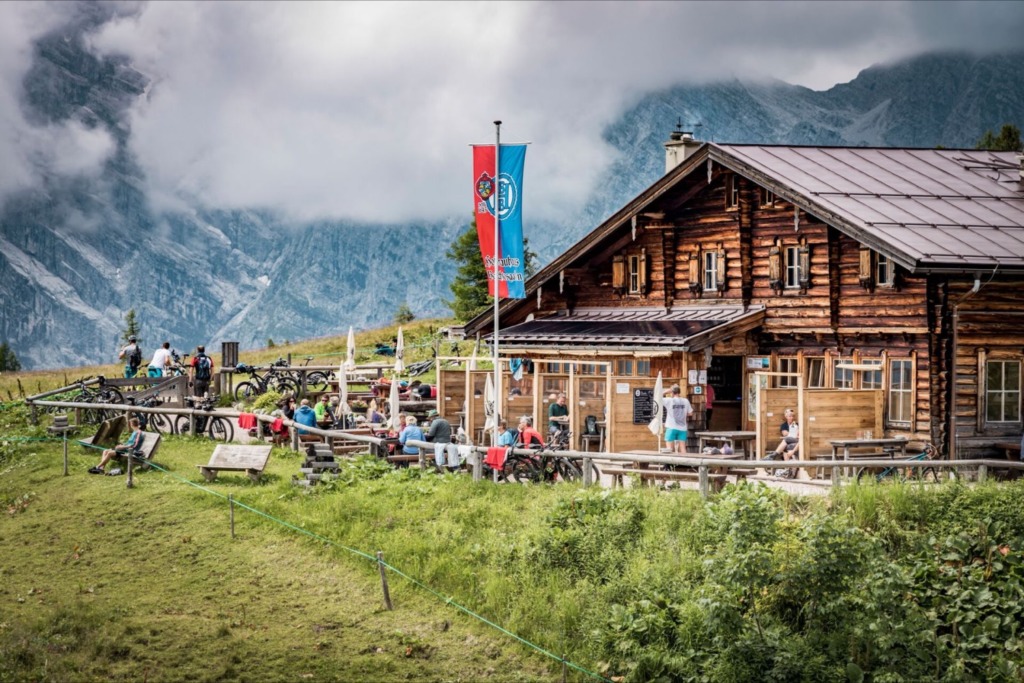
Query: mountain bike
{"points": [[259, 384], [213, 426], [896, 473], [545, 465], [101, 393], [154, 422]]}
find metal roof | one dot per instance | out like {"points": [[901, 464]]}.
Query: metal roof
{"points": [[934, 209], [691, 327]]}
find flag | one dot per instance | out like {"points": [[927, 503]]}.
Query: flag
{"points": [[343, 390], [394, 406], [400, 353], [656, 423], [350, 358], [489, 404], [502, 196], [472, 359]]}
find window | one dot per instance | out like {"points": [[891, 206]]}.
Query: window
{"points": [[556, 368], [1002, 391], [842, 378], [793, 267], [732, 192], [787, 365], [871, 379], [643, 368], [901, 390], [624, 367], [767, 197], [884, 271], [710, 271], [815, 373], [634, 274]]}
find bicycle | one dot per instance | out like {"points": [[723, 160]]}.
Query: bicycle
{"points": [[317, 381], [259, 384], [896, 473], [545, 465], [216, 427], [158, 422], [103, 394]]}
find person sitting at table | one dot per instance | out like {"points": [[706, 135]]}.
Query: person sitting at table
{"points": [[373, 415], [789, 447], [323, 410], [506, 436], [305, 416], [558, 414], [528, 436], [411, 431]]}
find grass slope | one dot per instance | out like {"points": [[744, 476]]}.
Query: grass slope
{"points": [[101, 582]]}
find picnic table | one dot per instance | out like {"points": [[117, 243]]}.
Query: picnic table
{"points": [[249, 459], [877, 448], [652, 473], [736, 439]]}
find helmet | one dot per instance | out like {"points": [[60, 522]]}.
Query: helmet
{"points": [[132, 338]]}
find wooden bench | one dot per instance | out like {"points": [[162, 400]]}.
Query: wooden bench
{"points": [[715, 481], [144, 456], [249, 459]]}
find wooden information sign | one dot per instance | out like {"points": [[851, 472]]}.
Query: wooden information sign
{"points": [[249, 459], [643, 406]]}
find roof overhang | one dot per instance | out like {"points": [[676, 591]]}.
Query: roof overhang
{"points": [[632, 331]]}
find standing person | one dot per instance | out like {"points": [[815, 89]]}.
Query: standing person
{"points": [[558, 415], [677, 409], [131, 354], [161, 361], [709, 400], [201, 372]]}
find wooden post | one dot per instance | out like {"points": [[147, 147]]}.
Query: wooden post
{"points": [[702, 476], [384, 581], [982, 473], [65, 435], [835, 476], [231, 504], [588, 475], [130, 483], [478, 466], [192, 423], [294, 432], [422, 459]]}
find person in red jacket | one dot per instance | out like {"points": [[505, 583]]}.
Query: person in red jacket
{"points": [[528, 436]]}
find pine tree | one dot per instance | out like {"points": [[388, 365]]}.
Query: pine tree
{"points": [[469, 286], [8, 360], [131, 327], [1008, 140]]}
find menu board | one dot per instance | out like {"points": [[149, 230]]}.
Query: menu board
{"points": [[643, 406]]}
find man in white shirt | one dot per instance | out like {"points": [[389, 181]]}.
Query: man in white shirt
{"points": [[161, 361], [677, 409]]}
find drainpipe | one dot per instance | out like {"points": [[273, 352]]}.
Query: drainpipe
{"points": [[954, 375]]}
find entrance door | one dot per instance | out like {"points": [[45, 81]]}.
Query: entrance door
{"points": [[726, 376]]}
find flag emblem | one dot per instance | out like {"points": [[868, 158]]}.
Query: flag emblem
{"points": [[484, 186]]}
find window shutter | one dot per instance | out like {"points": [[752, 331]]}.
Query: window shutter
{"points": [[619, 274], [695, 274], [804, 254], [775, 267], [644, 284], [721, 270], [866, 271]]}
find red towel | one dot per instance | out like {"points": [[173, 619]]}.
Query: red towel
{"points": [[246, 421], [495, 457], [277, 426]]}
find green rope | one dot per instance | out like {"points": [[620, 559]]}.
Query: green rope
{"points": [[359, 553]]}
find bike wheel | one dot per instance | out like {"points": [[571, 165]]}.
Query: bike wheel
{"points": [[161, 423], [110, 395], [927, 474], [220, 429], [521, 470], [181, 425], [246, 391], [567, 470], [316, 381], [283, 385]]}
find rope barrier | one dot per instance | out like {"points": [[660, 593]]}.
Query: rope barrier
{"points": [[372, 558]]}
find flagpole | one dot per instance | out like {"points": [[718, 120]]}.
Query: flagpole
{"points": [[497, 291]]}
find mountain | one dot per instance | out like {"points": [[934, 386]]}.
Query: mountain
{"points": [[77, 253]]}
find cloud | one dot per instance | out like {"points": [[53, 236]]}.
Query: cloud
{"points": [[365, 110], [32, 151]]}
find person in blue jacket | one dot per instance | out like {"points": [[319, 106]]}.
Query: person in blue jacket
{"points": [[305, 416], [411, 431]]}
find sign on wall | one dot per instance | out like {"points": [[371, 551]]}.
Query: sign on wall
{"points": [[643, 406]]}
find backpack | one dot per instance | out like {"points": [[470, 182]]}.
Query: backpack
{"points": [[135, 359], [203, 366]]}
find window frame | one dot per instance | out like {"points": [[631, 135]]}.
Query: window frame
{"points": [[892, 390], [709, 270], [1003, 392], [787, 364], [791, 265], [732, 193], [884, 264], [633, 274], [864, 384], [814, 364], [767, 198]]}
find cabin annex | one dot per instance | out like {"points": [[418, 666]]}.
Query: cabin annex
{"points": [[888, 282]]}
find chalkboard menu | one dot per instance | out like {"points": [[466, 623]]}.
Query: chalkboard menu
{"points": [[643, 406]]}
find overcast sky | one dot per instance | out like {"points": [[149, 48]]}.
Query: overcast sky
{"points": [[365, 110]]}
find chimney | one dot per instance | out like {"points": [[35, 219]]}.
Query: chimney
{"points": [[680, 146]]}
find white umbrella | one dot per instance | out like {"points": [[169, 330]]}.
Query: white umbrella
{"points": [[350, 358], [393, 402], [343, 390], [489, 404], [399, 354], [472, 359], [656, 424]]}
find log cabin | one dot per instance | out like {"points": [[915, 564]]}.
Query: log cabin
{"points": [[887, 282]]}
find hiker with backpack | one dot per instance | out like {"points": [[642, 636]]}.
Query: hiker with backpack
{"points": [[202, 372], [132, 357]]}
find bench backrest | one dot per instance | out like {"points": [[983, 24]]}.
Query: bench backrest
{"points": [[150, 442], [244, 457]]}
